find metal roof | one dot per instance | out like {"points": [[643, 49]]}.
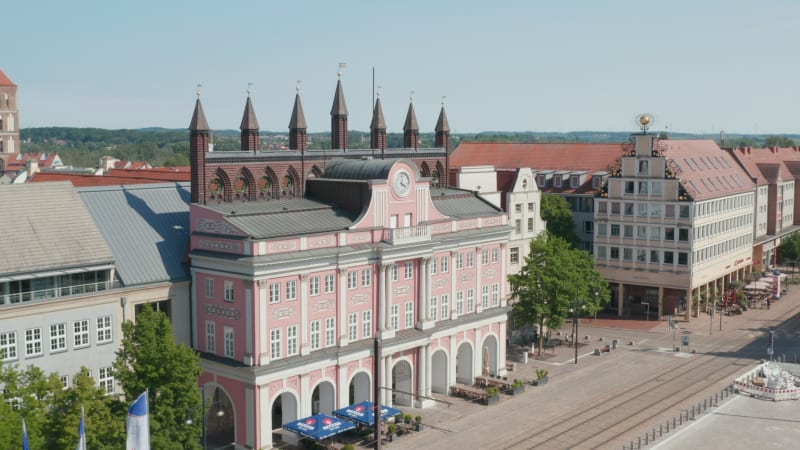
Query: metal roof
{"points": [[361, 169], [462, 206], [146, 227], [46, 227]]}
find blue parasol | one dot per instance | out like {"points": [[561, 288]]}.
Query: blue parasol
{"points": [[364, 413], [319, 426]]}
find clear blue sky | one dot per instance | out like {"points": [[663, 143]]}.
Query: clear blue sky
{"points": [[698, 66]]}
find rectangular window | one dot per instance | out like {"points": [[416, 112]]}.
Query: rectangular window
{"points": [[530, 207], [64, 381], [291, 290], [366, 277], [684, 211], [313, 285], [274, 292], [58, 337], [80, 333], [653, 256], [614, 253], [104, 330], [434, 265], [210, 287], [669, 258], [445, 264], [394, 272], [602, 207], [614, 230], [409, 270], [485, 296], [106, 380], [530, 223], [683, 234], [211, 341], [627, 254], [683, 259], [629, 187], [409, 315], [394, 317], [229, 341], [352, 279], [228, 291], [460, 302], [644, 167], [627, 231], [352, 327], [33, 342], [330, 331], [495, 294], [291, 340], [514, 255], [628, 209], [8, 346], [669, 233], [315, 334], [470, 259], [484, 257], [366, 324], [470, 300], [445, 307], [518, 226], [518, 208], [275, 343], [433, 304], [459, 261], [641, 255], [495, 255], [669, 211], [615, 208], [330, 286], [602, 229]]}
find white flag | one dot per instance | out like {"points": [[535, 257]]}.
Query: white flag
{"points": [[139, 424], [82, 432]]}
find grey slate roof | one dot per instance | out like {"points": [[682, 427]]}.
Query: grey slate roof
{"points": [[411, 119], [461, 204], [339, 107], [261, 220], [378, 123], [47, 227], [146, 226], [360, 169], [442, 124]]}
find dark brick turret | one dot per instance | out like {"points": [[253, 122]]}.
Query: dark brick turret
{"points": [[442, 130], [377, 129], [199, 140], [339, 119], [249, 127], [298, 140], [411, 128]]}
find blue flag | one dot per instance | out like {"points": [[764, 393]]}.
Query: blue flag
{"points": [[25, 444], [139, 424], [82, 432]]}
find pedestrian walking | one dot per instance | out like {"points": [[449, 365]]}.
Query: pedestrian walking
{"points": [[768, 303]]}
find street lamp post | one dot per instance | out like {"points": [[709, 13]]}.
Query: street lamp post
{"points": [[577, 310]]}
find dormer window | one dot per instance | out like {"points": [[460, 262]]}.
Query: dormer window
{"points": [[557, 181], [541, 180], [597, 182], [575, 181]]}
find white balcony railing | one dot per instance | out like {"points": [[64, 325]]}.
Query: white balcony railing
{"points": [[408, 235]]}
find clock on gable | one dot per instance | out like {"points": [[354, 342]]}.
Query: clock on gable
{"points": [[401, 183]]}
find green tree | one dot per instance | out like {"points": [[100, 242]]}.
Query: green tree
{"points": [[105, 416], [558, 214], [555, 278], [149, 359], [28, 393], [790, 247], [778, 141]]}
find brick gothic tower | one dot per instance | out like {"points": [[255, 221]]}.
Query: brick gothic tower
{"points": [[411, 127], [297, 125], [9, 116], [442, 130], [377, 128], [249, 127], [339, 118], [199, 139]]}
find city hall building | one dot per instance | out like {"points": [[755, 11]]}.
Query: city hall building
{"points": [[302, 259]]}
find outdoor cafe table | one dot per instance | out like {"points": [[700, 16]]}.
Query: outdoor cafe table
{"points": [[468, 391], [496, 382]]}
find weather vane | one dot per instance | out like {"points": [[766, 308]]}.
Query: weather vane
{"points": [[297, 87], [444, 97], [249, 88], [411, 96], [378, 91], [198, 89], [341, 66]]}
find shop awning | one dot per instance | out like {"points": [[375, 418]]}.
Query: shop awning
{"points": [[364, 413], [319, 426]]}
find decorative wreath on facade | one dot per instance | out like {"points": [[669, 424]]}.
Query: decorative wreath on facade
{"points": [[264, 184], [240, 185], [215, 187]]}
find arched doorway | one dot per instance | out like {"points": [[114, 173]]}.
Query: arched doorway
{"points": [[464, 373], [360, 388], [402, 384], [284, 410], [439, 372], [220, 418], [489, 356], [323, 399]]}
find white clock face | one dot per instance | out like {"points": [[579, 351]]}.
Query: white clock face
{"points": [[402, 183]]}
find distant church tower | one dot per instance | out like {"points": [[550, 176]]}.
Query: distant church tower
{"points": [[339, 116], [9, 116]]}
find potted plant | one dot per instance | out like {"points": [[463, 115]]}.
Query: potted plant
{"points": [[392, 432], [541, 377], [517, 387], [418, 420], [492, 395], [348, 447]]}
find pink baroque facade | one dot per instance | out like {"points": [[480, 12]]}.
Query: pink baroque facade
{"points": [[289, 296]]}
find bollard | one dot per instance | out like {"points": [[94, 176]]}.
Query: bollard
{"points": [[661, 430], [654, 434], [716, 399], [681, 421], [705, 405], [698, 408], [668, 425], [647, 439], [640, 443]]}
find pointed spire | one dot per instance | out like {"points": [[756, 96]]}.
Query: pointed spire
{"points": [[441, 124], [249, 120], [378, 123], [298, 119], [339, 107], [411, 117], [339, 116], [199, 122]]}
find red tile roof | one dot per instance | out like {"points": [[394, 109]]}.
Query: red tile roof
{"points": [[115, 177], [705, 170], [156, 174], [761, 163], [5, 81]]}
